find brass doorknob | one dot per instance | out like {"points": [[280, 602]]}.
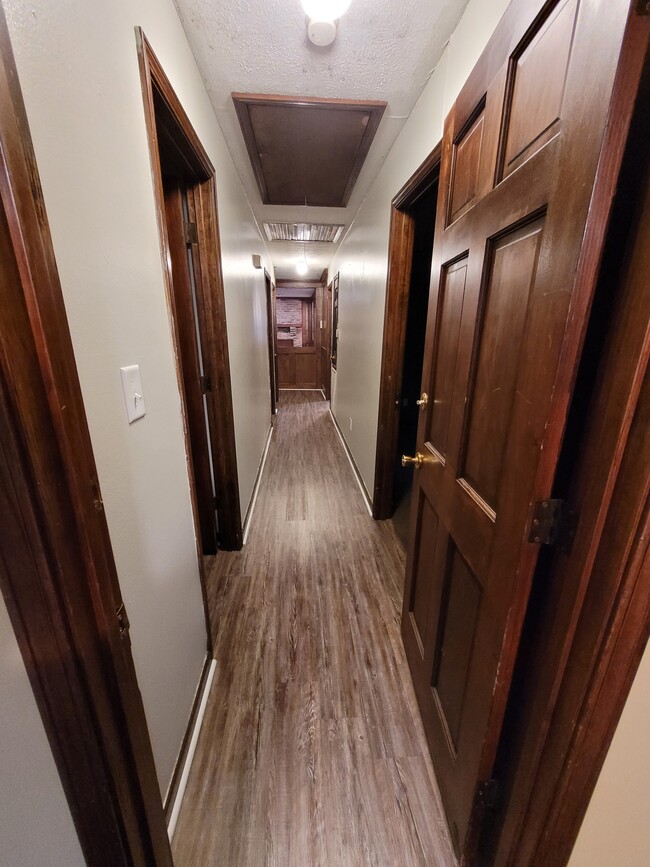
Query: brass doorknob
{"points": [[416, 461], [423, 401]]}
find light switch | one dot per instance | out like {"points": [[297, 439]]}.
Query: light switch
{"points": [[132, 388]]}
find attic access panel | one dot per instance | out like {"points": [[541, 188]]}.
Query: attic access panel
{"points": [[306, 150]]}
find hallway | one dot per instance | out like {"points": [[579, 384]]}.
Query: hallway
{"points": [[312, 750]]}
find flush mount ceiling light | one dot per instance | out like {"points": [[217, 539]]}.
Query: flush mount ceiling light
{"points": [[301, 265], [323, 14]]}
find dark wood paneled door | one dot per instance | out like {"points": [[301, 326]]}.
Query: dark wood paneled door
{"points": [[511, 289], [193, 365], [326, 342], [272, 341]]}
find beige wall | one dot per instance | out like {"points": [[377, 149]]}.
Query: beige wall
{"points": [[78, 70], [35, 822], [362, 257], [616, 829]]}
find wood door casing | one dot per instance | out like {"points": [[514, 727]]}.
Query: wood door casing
{"points": [[272, 340], [505, 325], [326, 342], [190, 364]]}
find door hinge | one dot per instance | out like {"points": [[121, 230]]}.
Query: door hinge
{"points": [[98, 503], [191, 233], [554, 523], [487, 793], [123, 621], [206, 384]]}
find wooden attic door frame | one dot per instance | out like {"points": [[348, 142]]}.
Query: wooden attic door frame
{"points": [[57, 571], [209, 292], [398, 286]]}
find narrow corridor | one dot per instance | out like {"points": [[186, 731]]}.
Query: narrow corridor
{"points": [[312, 750]]}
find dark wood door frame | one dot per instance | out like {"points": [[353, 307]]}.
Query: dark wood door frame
{"points": [[190, 358], [165, 114], [271, 337], [57, 570], [398, 284], [326, 342]]}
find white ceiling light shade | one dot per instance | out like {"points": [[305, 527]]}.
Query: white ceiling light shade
{"points": [[301, 267], [325, 10], [321, 33], [321, 29]]}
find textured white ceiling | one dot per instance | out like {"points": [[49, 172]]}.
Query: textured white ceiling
{"points": [[385, 49]]}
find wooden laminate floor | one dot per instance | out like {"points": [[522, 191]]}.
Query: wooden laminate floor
{"points": [[312, 750]]}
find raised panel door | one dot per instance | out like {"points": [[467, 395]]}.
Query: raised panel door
{"points": [[506, 316]]}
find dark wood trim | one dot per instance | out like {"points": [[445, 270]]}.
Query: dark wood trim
{"points": [[242, 101], [400, 258], [334, 338], [57, 570], [271, 339], [157, 91], [420, 181], [172, 791], [298, 284], [188, 359]]}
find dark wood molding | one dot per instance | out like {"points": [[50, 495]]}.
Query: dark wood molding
{"points": [[269, 291], [244, 101], [182, 257], [162, 105], [57, 570], [420, 181], [335, 320], [172, 791], [400, 258], [298, 284]]}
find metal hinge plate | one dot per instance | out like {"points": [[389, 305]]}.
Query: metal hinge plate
{"points": [[123, 621], [487, 793], [191, 234], [554, 523]]}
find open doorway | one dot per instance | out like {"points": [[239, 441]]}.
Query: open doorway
{"points": [[272, 341], [185, 190], [297, 335], [409, 272]]}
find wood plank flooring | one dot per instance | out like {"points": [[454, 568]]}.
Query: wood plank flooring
{"points": [[312, 750]]}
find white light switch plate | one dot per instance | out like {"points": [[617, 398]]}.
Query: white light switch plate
{"points": [[133, 395]]}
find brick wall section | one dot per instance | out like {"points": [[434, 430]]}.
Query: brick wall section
{"points": [[289, 314], [289, 311]]}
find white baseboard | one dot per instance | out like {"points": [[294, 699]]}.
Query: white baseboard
{"points": [[178, 800], [260, 471], [348, 454]]}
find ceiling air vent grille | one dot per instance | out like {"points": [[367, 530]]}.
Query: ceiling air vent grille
{"points": [[318, 232]]}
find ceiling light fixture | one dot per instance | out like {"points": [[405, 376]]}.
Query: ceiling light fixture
{"points": [[322, 17], [301, 264]]}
